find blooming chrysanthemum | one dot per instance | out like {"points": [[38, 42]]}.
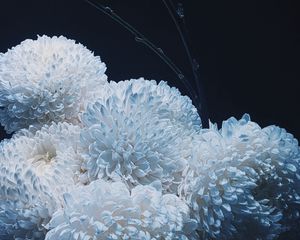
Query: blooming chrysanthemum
{"points": [[280, 183], [138, 134], [45, 80], [35, 170], [103, 210], [243, 181], [161, 98]]}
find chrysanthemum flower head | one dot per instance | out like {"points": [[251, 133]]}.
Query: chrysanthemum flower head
{"points": [[280, 181], [243, 179], [45, 80], [166, 101], [35, 170], [103, 210], [139, 133]]}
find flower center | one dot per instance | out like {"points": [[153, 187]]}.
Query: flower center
{"points": [[48, 157], [44, 158]]}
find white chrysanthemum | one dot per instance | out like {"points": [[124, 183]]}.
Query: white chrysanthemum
{"points": [[45, 80], [281, 182], [136, 135], [35, 170], [161, 98], [105, 210], [242, 182]]}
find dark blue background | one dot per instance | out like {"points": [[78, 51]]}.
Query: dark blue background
{"points": [[248, 51]]}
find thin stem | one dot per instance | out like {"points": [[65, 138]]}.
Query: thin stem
{"points": [[142, 39], [183, 36]]}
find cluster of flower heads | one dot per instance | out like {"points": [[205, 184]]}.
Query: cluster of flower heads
{"points": [[242, 181], [92, 159]]}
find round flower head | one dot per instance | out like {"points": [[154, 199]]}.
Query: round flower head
{"points": [[242, 181], [165, 100], [35, 170], [136, 136], [281, 181], [45, 80], [103, 210]]}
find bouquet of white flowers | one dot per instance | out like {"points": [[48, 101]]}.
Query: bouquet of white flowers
{"points": [[91, 159]]}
